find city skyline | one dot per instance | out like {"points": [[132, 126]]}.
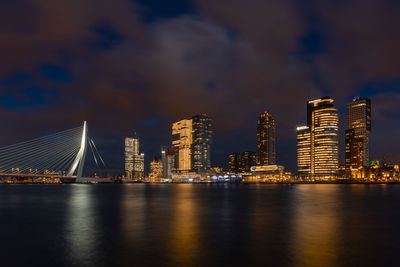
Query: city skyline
{"points": [[190, 57]]}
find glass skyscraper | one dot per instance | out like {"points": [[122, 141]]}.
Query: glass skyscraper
{"points": [[321, 159], [265, 139], [357, 135], [192, 139]]}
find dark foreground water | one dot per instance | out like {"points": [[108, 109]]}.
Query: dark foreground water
{"points": [[199, 225]]}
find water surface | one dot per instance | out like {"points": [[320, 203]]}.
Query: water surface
{"points": [[199, 225]]}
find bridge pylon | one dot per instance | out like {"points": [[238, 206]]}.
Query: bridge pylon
{"points": [[79, 161]]}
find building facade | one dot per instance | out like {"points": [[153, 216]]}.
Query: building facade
{"points": [[169, 162], [134, 160], [234, 160], [304, 150], [265, 139], [182, 143], [156, 169], [321, 159], [248, 159], [357, 135], [201, 144], [192, 139]]}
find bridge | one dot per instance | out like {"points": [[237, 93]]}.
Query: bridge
{"points": [[57, 156]]}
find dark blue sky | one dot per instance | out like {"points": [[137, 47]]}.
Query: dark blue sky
{"points": [[136, 66]]}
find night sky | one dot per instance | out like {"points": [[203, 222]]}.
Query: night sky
{"points": [[136, 66]]}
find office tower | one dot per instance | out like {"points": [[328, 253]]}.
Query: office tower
{"points": [[134, 161], [156, 169], [265, 139], [201, 145], [355, 152], [321, 159], [234, 160], [163, 160], [182, 143], [248, 160], [304, 150], [191, 139], [170, 162], [357, 135]]}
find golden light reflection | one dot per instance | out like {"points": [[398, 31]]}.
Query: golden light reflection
{"points": [[316, 225], [185, 242]]}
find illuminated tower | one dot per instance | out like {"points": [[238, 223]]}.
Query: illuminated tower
{"points": [[323, 121], [234, 162], [182, 143], [318, 142], [304, 150], [357, 135], [265, 139], [201, 145], [134, 161]]}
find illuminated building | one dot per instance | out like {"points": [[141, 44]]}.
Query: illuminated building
{"points": [[201, 145], [247, 160], [265, 139], [169, 162], [357, 135], [321, 159], [267, 173], [304, 150], [134, 161], [182, 143], [191, 139], [234, 162], [156, 169]]}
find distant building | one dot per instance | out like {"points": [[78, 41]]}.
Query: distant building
{"points": [[192, 139], [182, 142], [321, 159], [134, 161], [201, 145], [265, 139], [357, 135], [304, 150], [169, 162], [234, 161], [156, 169], [247, 160]]}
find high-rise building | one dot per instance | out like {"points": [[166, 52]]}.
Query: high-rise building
{"points": [[304, 150], [182, 142], [134, 161], [357, 135], [265, 139], [169, 162], [234, 160], [201, 145], [321, 159], [248, 160], [191, 139], [156, 169]]}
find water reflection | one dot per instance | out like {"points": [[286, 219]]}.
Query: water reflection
{"points": [[185, 241], [316, 225], [81, 226]]}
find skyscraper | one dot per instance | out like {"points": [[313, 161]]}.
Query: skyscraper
{"points": [[182, 143], [134, 161], [357, 135], [169, 162], [191, 139], [234, 160], [265, 139], [247, 160], [304, 150], [156, 169], [321, 159], [201, 145]]}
